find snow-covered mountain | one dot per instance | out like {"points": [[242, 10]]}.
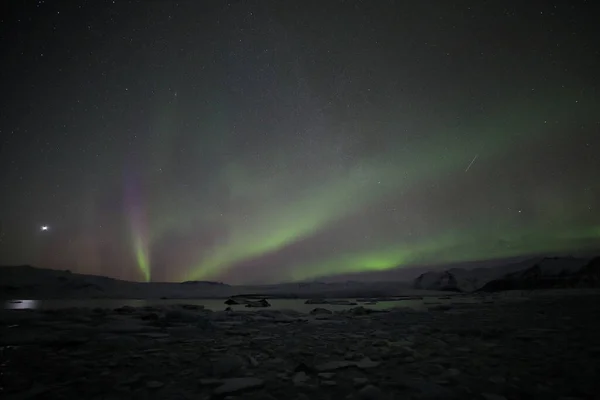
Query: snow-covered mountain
{"points": [[469, 280], [550, 274]]}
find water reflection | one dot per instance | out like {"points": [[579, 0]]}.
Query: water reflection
{"points": [[21, 304], [211, 304]]}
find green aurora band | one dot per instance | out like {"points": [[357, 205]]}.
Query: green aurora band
{"points": [[141, 256], [451, 248], [138, 224], [274, 223]]}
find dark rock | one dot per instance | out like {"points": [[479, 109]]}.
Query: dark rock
{"points": [[125, 310], [440, 307], [360, 311], [331, 302], [228, 365], [152, 316], [191, 307], [320, 311], [154, 384], [316, 301], [300, 378], [370, 392], [302, 367], [342, 303], [367, 363], [234, 385], [258, 304], [335, 365]]}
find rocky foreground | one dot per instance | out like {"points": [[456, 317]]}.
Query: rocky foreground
{"points": [[545, 347]]}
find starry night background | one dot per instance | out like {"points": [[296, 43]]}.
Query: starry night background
{"points": [[268, 141]]}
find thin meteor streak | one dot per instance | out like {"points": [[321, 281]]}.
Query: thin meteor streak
{"points": [[472, 161]]}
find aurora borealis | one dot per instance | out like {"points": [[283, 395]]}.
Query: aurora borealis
{"points": [[252, 142]]}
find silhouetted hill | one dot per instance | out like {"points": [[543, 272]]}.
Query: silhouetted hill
{"points": [[29, 282], [26, 282]]}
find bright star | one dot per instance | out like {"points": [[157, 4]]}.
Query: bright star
{"points": [[44, 227]]}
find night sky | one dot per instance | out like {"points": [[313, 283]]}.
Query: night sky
{"points": [[268, 141]]}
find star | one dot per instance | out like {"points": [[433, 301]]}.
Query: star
{"points": [[44, 228]]}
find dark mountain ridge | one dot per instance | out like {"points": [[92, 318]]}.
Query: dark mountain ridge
{"points": [[535, 273]]}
